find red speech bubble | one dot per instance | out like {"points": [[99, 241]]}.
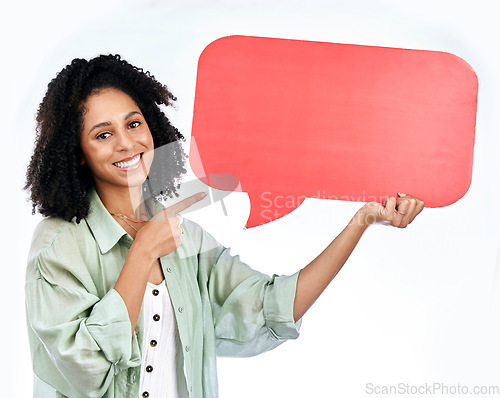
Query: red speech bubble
{"points": [[294, 119]]}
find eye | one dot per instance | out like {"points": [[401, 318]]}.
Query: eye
{"points": [[103, 136], [134, 124]]}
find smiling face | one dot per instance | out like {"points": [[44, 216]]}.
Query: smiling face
{"points": [[116, 143]]}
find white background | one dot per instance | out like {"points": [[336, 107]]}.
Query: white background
{"points": [[414, 306]]}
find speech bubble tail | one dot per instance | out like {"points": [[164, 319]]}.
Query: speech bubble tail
{"points": [[266, 207]]}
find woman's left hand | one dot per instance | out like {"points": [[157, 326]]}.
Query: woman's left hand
{"points": [[398, 212]]}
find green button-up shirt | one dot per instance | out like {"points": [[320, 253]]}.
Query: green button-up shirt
{"points": [[78, 325]]}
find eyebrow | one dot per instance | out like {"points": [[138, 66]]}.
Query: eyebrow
{"points": [[103, 124]]}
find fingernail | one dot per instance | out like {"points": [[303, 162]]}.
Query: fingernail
{"points": [[203, 194], [401, 194]]}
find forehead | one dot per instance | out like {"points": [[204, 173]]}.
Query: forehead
{"points": [[107, 104]]}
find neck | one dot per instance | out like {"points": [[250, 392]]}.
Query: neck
{"points": [[124, 200]]}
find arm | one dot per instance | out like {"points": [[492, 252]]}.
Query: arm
{"points": [[79, 338], [156, 239], [317, 275], [246, 312], [252, 312], [81, 330], [131, 284]]}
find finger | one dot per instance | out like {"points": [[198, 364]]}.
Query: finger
{"points": [[389, 206], [391, 214], [416, 206], [402, 198], [419, 206], [160, 216], [185, 203], [173, 219], [409, 209], [402, 206]]}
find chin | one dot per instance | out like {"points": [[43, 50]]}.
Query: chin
{"points": [[136, 181]]}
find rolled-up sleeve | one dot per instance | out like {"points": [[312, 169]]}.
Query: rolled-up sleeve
{"points": [[79, 340], [278, 306], [109, 326], [252, 312]]}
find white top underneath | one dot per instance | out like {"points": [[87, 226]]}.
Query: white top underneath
{"points": [[161, 347]]}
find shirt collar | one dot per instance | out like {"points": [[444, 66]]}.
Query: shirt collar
{"points": [[107, 232]]}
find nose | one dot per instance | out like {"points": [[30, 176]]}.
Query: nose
{"points": [[124, 141]]}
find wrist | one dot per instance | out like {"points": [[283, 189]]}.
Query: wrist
{"points": [[364, 217], [142, 253]]}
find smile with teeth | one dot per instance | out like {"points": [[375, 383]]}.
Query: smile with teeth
{"points": [[129, 163]]}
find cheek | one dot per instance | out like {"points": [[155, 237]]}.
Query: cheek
{"points": [[94, 156], [148, 159], [150, 140]]}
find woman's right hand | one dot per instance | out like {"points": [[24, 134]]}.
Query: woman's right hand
{"points": [[162, 234]]}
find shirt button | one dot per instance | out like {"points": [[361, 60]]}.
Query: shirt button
{"points": [[169, 269], [156, 317], [153, 343], [156, 292], [149, 368], [180, 309], [145, 394], [187, 348]]}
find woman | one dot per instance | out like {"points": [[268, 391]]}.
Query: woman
{"points": [[122, 299]]}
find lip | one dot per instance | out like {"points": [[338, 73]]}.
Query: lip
{"points": [[130, 163]]}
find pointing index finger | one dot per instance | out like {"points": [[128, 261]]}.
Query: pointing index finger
{"points": [[185, 203]]}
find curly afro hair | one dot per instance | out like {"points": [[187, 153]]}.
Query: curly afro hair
{"points": [[57, 181]]}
